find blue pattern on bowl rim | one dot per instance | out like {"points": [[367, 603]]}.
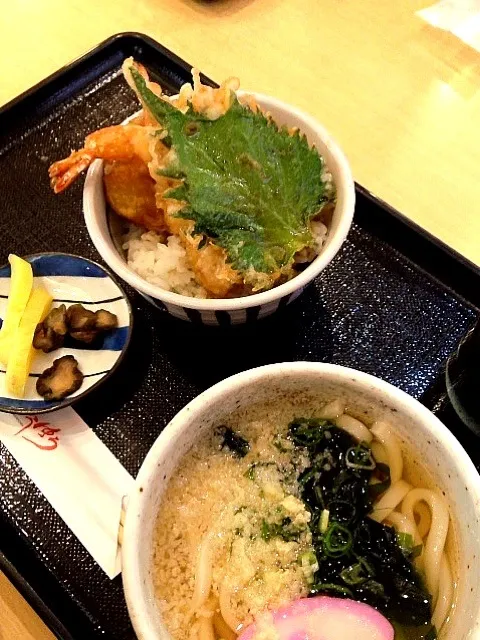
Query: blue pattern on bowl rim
{"points": [[72, 279]]}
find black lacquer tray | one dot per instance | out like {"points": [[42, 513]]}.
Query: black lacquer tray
{"points": [[394, 303]]}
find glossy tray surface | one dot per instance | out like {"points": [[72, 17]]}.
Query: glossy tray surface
{"points": [[393, 303]]}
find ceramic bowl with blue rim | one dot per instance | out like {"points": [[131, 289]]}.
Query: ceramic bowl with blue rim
{"points": [[248, 308], [71, 280]]}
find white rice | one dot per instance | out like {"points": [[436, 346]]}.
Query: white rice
{"points": [[319, 231], [162, 260]]}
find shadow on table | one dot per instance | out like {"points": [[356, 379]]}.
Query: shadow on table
{"points": [[218, 7], [205, 355]]}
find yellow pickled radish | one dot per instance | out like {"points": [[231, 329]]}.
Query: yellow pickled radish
{"points": [[21, 283], [21, 350]]}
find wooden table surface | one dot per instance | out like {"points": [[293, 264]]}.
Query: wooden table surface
{"points": [[401, 98]]}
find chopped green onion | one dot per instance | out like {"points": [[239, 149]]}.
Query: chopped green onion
{"points": [[376, 588], [306, 476], [266, 531], [332, 588], [353, 575], [323, 524], [416, 551], [405, 541], [357, 573], [308, 562], [366, 565], [306, 431], [360, 458], [280, 444], [284, 530], [318, 495], [250, 472], [337, 540], [307, 558], [383, 472]]}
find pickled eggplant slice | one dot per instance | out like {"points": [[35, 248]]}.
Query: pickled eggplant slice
{"points": [[57, 320], [105, 320], [80, 319], [46, 339], [60, 380]]}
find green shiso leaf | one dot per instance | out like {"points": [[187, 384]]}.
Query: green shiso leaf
{"points": [[248, 185]]}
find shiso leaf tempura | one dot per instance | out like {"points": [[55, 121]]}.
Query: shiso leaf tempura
{"points": [[246, 183], [223, 201]]}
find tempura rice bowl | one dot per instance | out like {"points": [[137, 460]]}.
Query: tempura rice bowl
{"points": [[233, 310], [435, 453]]}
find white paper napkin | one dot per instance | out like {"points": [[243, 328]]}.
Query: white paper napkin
{"points": [[80, 477], [460, 17]]}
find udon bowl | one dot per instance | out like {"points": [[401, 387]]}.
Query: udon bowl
{"points": [[249, 308], [435, 450]]}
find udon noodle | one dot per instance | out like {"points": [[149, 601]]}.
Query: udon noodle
{"points": [[421, 513], [214, 574]]}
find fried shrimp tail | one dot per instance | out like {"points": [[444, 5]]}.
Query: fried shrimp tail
{"points": [[120, 142], [151, 180], [63, 172]]}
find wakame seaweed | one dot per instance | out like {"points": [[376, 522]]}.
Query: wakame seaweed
{"points": [[233, 441], [357, 557]]}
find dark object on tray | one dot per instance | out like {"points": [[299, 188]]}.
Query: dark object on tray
{"points": [[462, 379], [394, 303]]}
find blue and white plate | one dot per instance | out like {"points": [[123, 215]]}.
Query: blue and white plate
{"points": [[70, 280]]}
